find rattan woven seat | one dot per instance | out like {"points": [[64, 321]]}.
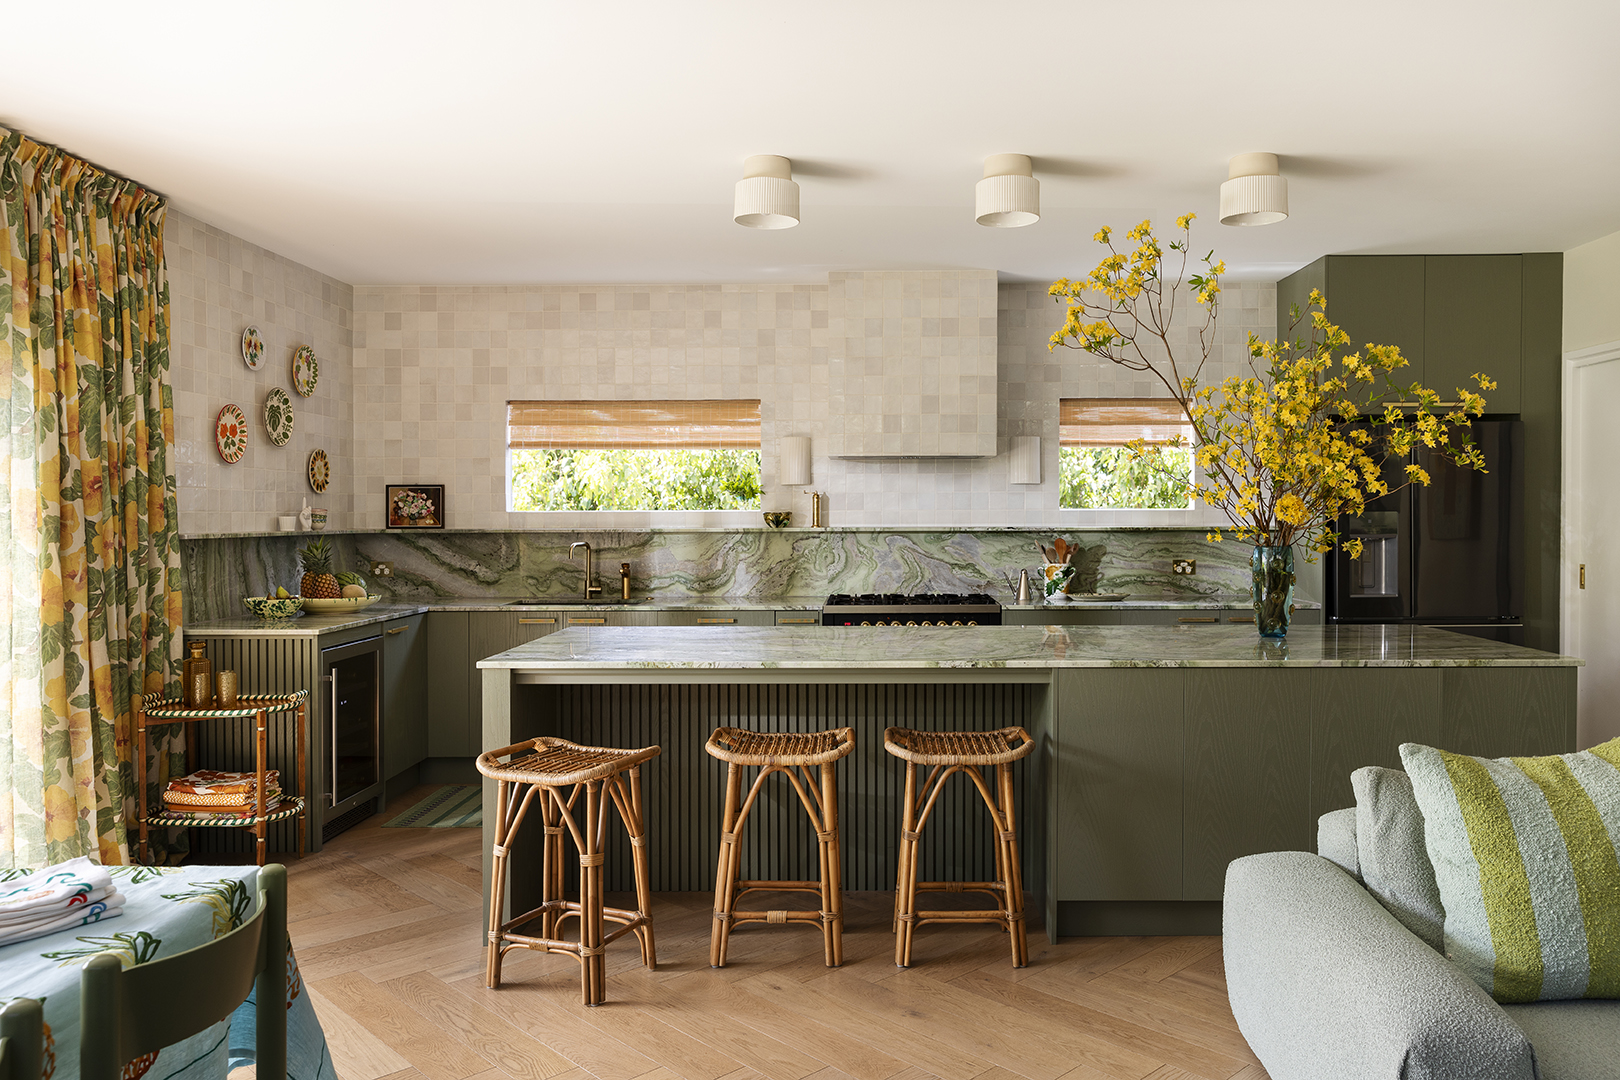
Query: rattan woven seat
{"points": [[560, 772], [944, 754], [780, 752]]}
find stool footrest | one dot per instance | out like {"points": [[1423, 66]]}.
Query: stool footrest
{"points": [[780, 916], [962, 886], [994, 916], [778, 886]]}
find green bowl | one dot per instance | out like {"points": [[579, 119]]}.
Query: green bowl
{"points": [[778, 519], [274, 607]]}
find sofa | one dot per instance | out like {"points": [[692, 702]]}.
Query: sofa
{"points": [[1333, 978]]}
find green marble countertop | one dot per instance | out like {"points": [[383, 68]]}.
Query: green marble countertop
{"points": [[790, 648]]}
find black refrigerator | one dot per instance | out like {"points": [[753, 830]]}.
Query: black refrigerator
{"points": [[1449, 555]]}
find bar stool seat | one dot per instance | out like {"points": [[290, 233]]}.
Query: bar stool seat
{"points": [[560, 771], [946, 753], [780, 752]]}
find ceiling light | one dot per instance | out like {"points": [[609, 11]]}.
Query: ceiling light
{"points": [[1009, 195], [1254, 193], [767, 197]]}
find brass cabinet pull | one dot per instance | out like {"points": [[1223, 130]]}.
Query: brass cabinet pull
{"points": [[398, 630], [1198, 618], [702, 621], [793, 621], [586, 620], [1241, 618], [536, 622]]}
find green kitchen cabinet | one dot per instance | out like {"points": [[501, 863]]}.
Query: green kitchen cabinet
{"points": [[450, 670], [404, 694], [1473, 321], [1380, 299]]}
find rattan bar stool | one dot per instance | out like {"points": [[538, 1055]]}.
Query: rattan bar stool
{"points": [[780, 752], [946, 753], [559, 772]]}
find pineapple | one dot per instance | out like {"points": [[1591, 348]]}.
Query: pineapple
{"points": [[318, 580]]}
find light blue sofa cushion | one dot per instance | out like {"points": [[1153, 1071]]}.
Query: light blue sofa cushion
{"points": [[1573, 1040], [1393, 858]]}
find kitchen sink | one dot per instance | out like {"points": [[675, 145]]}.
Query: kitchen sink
{"points": [[575, 601]]}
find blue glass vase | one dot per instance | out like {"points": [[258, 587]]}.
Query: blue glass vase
{"points": [[1273, 591]]}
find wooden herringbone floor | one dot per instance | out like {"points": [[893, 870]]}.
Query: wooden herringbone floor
{"points": [[387, 923]]}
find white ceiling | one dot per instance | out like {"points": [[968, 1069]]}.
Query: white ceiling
{"points": [[504, 142]]}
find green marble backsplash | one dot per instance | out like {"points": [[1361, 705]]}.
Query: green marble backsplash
{"points": [[745, 564]]}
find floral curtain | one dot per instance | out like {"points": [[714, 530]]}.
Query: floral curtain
{"points": [[90, 572]]}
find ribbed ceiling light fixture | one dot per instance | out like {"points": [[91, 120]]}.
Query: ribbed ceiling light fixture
{"points": [[1254, 193], [1009, 195], [767, 197]]}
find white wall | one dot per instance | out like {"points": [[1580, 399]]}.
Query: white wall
{"points": [[218, 285], [1592, 293]]}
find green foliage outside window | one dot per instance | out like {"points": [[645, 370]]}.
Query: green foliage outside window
{"points": [[635, 480], [1116, 478]]}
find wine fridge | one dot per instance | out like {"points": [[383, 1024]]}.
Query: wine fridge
{"points": [[351, 730]]}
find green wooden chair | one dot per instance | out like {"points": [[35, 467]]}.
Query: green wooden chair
{"points": [[22, 1040], [128, 1014]]}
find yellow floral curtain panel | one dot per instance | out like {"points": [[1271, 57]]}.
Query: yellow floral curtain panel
{"points": [[90, 573]]}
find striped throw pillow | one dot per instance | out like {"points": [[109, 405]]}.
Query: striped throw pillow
{"points": [[1525, 853]]}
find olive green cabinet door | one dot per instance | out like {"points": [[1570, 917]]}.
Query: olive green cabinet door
{"points": [[1474, 322], [1379, 299], [488, 633], [1247, 785], [1116, 784], [448, 722], [405, 683]]}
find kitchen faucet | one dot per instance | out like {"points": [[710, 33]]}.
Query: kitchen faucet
{"points": [[590, 568]]}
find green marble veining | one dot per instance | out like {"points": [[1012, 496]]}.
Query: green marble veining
{"points": [[712, 564], [743, 648]]}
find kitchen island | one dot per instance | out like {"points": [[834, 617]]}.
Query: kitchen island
{"points": [[1165, 752]]}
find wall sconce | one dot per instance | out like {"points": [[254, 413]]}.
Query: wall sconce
{"points": [[767, 197], [1024, 462], [1009, 196], [1255, 192], [795, 460]]}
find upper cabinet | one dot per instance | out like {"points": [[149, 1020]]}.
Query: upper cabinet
{"points": [[1451, 315]]}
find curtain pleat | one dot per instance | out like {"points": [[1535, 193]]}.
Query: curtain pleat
{"points": [[93, 601]]}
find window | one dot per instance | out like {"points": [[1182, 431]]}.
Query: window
{"points": [[1096, 471], [633, 455]]}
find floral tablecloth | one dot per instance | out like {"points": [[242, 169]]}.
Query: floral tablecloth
{"points": [[168, 910]]}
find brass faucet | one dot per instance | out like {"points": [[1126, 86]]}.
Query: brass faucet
{"points": [[590, 568]]}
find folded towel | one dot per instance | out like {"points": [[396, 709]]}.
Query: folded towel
{"points": [[202, 813], [230, 799], [210, 782], [13, 918], [53, 888], [109, 906]]}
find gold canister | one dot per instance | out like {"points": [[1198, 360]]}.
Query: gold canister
{"points": [[197, 677], [225, 689]]}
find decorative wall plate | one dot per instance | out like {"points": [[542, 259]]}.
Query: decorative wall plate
{"points": [[278, 415], [320, 472], [230, 434], [306, 371], [252, 348]]}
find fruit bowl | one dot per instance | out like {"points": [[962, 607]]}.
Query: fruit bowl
{"points": [[331, 605], [274, 607]]}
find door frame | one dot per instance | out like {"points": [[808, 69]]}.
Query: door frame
{"points": [[1576, 365]]}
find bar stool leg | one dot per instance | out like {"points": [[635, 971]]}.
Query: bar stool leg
{"points": [[725, 882], [906, 890], [590, 899], [497, 887], [638, 856], [832, 885], [1013, 876]]}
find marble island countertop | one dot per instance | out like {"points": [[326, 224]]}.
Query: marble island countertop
{"points": [[912, 648]]}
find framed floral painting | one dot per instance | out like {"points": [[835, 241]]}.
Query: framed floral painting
{"points": [[415, 506]]}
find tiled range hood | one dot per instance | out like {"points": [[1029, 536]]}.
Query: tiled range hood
{"points": [[912, 364]]}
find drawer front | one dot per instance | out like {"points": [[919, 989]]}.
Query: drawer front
{"points": [[798, 618]]}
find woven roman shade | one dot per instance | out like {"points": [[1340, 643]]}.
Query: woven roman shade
{"points": [[1116, 421], [633, 425]]}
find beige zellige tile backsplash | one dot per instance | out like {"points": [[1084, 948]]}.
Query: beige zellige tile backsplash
{"points": [[414, 384]]}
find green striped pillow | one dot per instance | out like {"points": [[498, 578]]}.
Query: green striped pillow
{"points": [[1525, 853]]}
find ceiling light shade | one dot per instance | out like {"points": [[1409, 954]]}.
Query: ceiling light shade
{"points": [[767, 197], [795, 465], [1024, 464], [1254, 194], [1009, 195]]}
